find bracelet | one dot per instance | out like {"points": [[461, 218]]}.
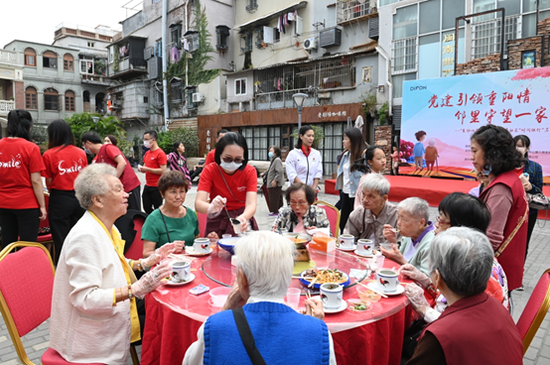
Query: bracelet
{"points": [[139, 265], [432, 290], [130, 296]]}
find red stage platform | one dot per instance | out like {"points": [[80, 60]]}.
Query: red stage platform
{"points": [[429, 189]]}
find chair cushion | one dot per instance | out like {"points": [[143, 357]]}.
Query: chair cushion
{"points": [[27, 286], [52, 357], [533, 305]]}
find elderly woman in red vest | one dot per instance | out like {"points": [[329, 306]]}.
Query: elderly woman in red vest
{"points": [[494, 154], [475, 328]]}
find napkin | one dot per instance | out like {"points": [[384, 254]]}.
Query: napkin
{"points": [[358, 274]]}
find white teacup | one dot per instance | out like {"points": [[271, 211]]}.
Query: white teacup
{"points": [[364, 247], [331, 295], [180, 271], [388, 280], [201, 245], [347, 241]]}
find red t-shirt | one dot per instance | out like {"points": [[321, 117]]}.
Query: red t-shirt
{"points": [[240, 182], [19, 158], [107, 154], [210, 157], [63, 165], [154, 159]]}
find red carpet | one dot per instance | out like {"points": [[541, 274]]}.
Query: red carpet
{"points": [[431, 190]]}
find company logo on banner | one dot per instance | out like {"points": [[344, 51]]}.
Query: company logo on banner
{"points": [[449, 110]]}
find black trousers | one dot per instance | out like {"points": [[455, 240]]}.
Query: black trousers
{"points": [[275, 199], [151, 198], [533, 213], [134, 199], [19, 225], [63, 212], [347, 208]]}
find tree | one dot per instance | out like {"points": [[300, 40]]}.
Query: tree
{"points": [[187, 136]]}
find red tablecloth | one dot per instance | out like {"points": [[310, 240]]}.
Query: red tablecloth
{"points": [[174, 316]]}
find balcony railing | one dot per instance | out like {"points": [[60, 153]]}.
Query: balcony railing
{"points": [[8, 56], [6, 106], [280, 99], [349, 10]]}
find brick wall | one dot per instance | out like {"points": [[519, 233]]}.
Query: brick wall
{"points": [[382, 139], [518, 46], [19, 95], [490, 63]]}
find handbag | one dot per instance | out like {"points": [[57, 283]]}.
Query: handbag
{"points": [[538, 201], [247, 338], [411, 337]]}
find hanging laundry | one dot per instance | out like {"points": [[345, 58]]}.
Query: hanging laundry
{"points": [[291, 17], [285, 20], [185, 44], [279, 84], [174, 55]]}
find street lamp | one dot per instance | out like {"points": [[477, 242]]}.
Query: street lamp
{"points": [[95, 119], [299, 100]]}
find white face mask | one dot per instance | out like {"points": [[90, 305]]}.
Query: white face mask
{"points": [[147, 144], [230, 166], [522, 150]]}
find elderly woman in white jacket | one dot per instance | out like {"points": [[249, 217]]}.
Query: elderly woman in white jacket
{"points": [[94, 315]]}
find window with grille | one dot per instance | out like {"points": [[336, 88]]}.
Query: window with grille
{"points": [[69, 101], [49, 60], [30, 57], [30, 98], [68, 62], [51, 99], [404, 55], [486, 35], [175, 35], [240, 87], [259, 139]]}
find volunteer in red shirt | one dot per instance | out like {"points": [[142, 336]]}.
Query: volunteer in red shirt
{"points": [[110, 154], [154, 163], [230, 182], [63, 161], [210, 155], [22, 203]]}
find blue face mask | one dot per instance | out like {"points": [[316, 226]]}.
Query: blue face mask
{"points": [[230, 166], [88, 151], [270, 154]]}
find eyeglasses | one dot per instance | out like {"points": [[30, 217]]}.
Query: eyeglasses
{"points": [[301, 204], [440, 221], [229, 160]]}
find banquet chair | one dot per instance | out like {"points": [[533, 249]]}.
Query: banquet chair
{"points": [[25, 300], [135, 251], [333, 215], [535, 310], [44, 232]]}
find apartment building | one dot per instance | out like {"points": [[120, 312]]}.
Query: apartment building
{"points": [[11, 86]]}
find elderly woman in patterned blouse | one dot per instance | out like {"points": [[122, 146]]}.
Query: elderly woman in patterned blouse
{"points": [[300, 215]]}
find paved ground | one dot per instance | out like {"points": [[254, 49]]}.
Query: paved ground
{"points": [[539, 260]]}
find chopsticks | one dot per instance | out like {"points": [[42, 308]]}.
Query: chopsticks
{"points": [[374, 290], [308, 296]]}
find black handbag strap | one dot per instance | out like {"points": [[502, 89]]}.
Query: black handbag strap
{"points": [[165, 226], [246, 337]]}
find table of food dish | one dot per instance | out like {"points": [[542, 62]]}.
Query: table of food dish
{"points": [[360, 292]]}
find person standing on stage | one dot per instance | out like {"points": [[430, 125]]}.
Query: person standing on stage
{"points": [[110, 154], [22, 203], [304, 163], [210, 157], [63, 161], [154, 163]]}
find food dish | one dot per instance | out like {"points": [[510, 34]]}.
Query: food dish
{"points": [[400, 289], [362, 254], [228, 244], [171, 283], [356, 305], [306, 277], [189, 250]]}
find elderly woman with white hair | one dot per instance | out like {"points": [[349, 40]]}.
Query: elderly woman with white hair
{"points": [[264, 271], [475, 328], [368, 220], [94, 315], [417, 232]]}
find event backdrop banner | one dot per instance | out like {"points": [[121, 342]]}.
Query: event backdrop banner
{"points": [[443, 113]]}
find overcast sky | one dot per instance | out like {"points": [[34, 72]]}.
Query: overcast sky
{"points": [[36, 20]]}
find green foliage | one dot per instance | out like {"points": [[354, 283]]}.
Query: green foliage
{"points": [[39, 134], [369, 104], [318, 135], [383, 113], [82, 122], [187, 136]]}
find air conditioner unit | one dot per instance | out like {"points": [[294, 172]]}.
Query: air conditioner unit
{"points": [[148, 53], [329, 38], [310, 43], [197, 98]]}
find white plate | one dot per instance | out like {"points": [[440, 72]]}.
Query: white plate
{"points": [[191, 251], [362, 254], [346, 249], [171, 283], [400, 289], [342, 308]]}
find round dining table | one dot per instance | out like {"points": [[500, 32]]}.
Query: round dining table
{"points": [[373, 336]]}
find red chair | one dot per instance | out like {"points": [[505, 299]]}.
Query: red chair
{"points": [[135, 252], [25, 299], [44, 231], [202, 224], [535, 310], [333, 215]]}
